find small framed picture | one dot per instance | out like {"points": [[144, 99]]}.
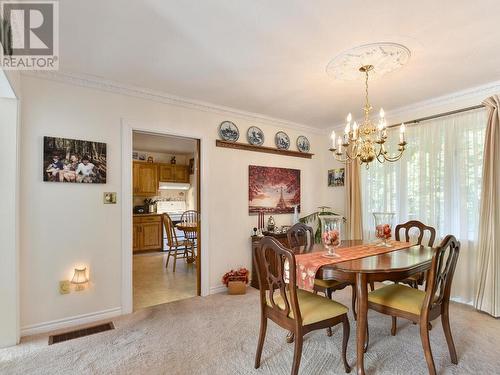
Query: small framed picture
{"points": [[135, 155], [336, 177]]}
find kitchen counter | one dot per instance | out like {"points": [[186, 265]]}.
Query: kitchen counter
{"points": [[147, 214]]}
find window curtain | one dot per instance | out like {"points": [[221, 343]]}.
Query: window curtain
{"points": [[488, 255], [353, 207], [438, 181]]}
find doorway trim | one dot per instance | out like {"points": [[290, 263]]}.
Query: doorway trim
{"points": [[127, 128]]}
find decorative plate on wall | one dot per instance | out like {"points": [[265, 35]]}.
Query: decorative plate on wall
{"points": [[303, 144], [228, 131], [282, 140], [255, 136]]}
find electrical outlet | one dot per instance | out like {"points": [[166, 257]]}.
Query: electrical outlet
{"points": [[109, 198], [64, 287]]}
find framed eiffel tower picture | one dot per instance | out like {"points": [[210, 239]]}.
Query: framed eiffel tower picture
{"points": [[273, 190]]}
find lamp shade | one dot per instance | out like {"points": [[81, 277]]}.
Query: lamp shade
{"points": [[80, 276]]}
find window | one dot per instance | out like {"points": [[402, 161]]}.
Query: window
{"points": [[437, 181]]}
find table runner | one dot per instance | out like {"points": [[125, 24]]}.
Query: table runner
{"points": [[309, 264]]}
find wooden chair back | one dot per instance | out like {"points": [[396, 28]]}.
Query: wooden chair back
{"points": [[190, 216], [276, 270], [421, 228], [441, 273], [300, 235], [172, 240]]}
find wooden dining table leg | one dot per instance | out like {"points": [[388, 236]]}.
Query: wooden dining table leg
{"points": [[362, 299]]}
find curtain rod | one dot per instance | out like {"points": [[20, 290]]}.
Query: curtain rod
{"points": [[416, 121]]}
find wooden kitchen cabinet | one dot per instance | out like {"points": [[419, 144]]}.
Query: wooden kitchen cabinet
{"points": [[147, 232], [173, 173], [145, 178]]}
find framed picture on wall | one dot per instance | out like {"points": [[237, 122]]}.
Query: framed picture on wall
{"points": [[273, 190], [336, 177], [74, 161]]}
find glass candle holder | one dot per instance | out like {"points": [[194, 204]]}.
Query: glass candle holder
{"points": [[331, 229], [383, 227]]}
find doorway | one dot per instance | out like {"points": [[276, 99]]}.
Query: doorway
{"points": [[166, 227]]}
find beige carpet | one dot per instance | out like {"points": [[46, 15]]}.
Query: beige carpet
{"points": [[218, 335]]}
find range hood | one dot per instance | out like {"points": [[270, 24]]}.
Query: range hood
{"points": [[174, 186]]}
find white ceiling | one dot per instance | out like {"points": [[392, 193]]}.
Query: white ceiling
{"points": [[163, 144], [270, 57]]}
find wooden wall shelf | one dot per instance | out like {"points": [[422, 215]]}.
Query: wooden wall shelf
{"points": [[268, 150]]}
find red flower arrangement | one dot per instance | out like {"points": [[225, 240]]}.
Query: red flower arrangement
{"points": [[383, 231], [240, 274]]}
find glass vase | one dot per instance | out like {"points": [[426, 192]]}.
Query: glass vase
{"points": [[383, 227], [331, 229]]}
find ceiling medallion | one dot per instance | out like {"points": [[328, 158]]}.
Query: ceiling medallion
{"points": [[385, 57]]}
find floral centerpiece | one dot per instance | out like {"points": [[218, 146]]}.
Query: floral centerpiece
{"points": [[331, 238], [383, 227], [383, 231]]}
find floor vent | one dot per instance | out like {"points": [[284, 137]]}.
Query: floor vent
{"points": [[54, 339]]}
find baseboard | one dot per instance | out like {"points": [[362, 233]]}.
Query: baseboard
{"points": [[218, 289], [70, 321]]}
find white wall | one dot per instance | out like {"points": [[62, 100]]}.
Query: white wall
{"points": [[9, 282], [64, 224]]}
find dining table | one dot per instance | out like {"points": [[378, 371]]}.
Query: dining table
{"points": [[404, 261]]}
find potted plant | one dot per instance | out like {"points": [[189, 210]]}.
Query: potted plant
{"points": [[236, 280]]}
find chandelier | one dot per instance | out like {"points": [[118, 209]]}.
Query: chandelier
{"points": [[366, 142]]}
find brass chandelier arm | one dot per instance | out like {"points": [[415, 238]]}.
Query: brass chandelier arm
{"points": [[384, 154]]}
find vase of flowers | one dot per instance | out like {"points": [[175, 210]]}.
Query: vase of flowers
{"points": [[383, 227], [331, 229]]}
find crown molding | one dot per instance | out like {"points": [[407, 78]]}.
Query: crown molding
{"points": [[102, 84], [456, 100]]}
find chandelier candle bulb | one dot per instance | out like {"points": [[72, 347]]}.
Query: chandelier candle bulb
{"points": [[355, 131], [402, 130], [349, 118], [382, 113], [332, 136]]}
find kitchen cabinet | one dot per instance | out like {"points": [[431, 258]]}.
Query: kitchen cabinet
{"points": [[147, 232], [173, 173], [145, 178]]}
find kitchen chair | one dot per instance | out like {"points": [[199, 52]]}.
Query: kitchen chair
{"points": [[291, 308], [413, 228], [422, 307], [174, 244], [190, 216]]}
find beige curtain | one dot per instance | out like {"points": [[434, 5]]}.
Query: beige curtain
{"points": [[354, 225], [488, 255]]}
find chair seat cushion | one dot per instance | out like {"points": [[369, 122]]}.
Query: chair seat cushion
{"points": [[313, 308], [398, 297], [326, 283]]}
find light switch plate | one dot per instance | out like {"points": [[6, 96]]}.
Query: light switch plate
{"points": [[64, 287], [109, 198]]}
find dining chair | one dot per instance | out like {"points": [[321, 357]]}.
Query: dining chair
{"points": [[291, 308], [302, 235], [415, 229], [421, 307], [175, 246]]}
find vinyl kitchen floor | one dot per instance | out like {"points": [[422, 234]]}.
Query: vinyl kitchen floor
{"points": [[154, 284]]}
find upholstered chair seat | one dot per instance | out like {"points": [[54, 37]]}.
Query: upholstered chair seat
{"points": [[398, 297], [313, 307]]}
